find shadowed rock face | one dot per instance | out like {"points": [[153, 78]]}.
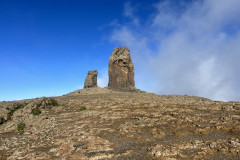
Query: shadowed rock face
{"points": [[121, 69], [91, 79]]}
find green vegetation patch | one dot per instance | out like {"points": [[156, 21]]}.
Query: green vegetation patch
{"points": [[1, 120], [20, 127], [83, 108], [22, 105], [54, 102], [36, 111], [9, 117], [12, 110]]}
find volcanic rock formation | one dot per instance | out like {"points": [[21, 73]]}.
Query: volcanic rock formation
{"points": [[91, 79], [121, 69]]}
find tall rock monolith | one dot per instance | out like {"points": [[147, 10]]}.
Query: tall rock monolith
{"points": [[121, 69], [91, 79]]}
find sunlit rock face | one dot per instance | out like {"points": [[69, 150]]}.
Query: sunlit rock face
{"points": [[121, 69]]}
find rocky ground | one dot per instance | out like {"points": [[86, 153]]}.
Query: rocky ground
{"points": [[102, 124]]}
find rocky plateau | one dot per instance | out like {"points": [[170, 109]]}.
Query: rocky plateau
{"points": [[98, 123]]}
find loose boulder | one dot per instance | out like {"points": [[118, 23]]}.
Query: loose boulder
{"points": [[91, 79], [121, 69]]}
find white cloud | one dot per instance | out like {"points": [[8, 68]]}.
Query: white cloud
{"points": [[129, 12], [190, 49], [103, 78], [80, 86]]}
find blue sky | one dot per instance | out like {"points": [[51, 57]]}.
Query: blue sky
{"points": [[178, 47]]}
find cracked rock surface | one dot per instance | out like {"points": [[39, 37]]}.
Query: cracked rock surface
{"points": [[99, 123], [121, 69]]}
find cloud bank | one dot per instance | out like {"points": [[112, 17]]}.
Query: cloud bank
{"points": [[103, 78], [188, 48]]}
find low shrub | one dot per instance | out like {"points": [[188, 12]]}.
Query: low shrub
{"points": [[22, 105], [36, 111], [20, 127], [83, 108], [1, 120], [9, 117], [54, 102], [11, 111]]}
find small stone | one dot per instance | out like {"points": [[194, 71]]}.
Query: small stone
{"points": [[213, 145]]}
